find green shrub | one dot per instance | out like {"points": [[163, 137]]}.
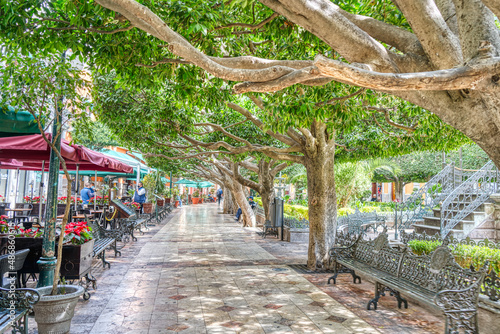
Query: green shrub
{"points": [[465, 255], [344, 212], [421, 247]]}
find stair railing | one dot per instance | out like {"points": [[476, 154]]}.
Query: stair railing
{"points": [[421, 202], [467, 197]]}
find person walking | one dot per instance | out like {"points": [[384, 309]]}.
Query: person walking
{"points": [[140, 195], [219, 195], [86, 194]]}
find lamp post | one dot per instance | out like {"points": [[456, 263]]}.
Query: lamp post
{"points": [[278, 202]]}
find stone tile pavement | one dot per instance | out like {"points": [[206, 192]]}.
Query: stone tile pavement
{"points": [[200, 272]]}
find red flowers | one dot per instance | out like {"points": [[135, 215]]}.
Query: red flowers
{"points": [[133, 205], [78, 233]]}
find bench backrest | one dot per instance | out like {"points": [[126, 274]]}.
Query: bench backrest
{"points": [[437, 271], [377, 253], [96, 230]]}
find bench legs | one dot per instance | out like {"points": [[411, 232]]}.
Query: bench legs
{"points": [[340, 269], [114, 247], [102, 256], [380, 291]]}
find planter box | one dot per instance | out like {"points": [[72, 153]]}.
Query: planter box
{"points": [[168, 200], [195, 200], [77, 259], [160, 202], [295, 235], [147, 207]]}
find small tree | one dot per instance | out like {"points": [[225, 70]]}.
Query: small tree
{"points": [[49, 89]]}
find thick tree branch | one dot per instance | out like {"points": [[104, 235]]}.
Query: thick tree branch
{"points": [[143, 18], [483, 73], [493, 5], [397, 37], [278, 168], [243, 62], [324, 19], [440, 44]]}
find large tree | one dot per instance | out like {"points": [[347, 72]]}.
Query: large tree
{"points": [[441, 55], [271, 46]]}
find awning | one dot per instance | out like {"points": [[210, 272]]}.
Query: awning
{"points": [[186, 182], [32, 150], [16, 123]]}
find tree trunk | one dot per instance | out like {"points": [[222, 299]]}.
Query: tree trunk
{"points": [[322, 206], [266, 180], [267, 197], [247, 213], [234, 203], [227, 204], [399, 189]]}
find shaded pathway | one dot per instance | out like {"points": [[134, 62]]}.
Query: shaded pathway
{"points": [[202, 273]]}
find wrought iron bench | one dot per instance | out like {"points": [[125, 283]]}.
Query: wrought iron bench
{"points": [[103, 239], [361, 222], [435, 280], [14, 308]]}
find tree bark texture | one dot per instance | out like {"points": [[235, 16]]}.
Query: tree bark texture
{"points": [[322, 208], [248, 216], [228, 201]]}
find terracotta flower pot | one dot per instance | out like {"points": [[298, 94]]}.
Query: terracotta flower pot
{"points": [[176, 204], [148, 207], [195, 200]]}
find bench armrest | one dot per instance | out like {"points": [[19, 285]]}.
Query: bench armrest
{"points": [[23, 298], [341, 251], [461, 299]]}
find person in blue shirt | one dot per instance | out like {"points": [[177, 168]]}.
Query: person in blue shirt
{"points": [[87, 193], [219, 195], [140, 195]]}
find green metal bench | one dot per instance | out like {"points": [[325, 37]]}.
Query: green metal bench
{"points": [[435, 279]]}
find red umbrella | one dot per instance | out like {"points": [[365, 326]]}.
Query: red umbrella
{"points": [[31, 150]]}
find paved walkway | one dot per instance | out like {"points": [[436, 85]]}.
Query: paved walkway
{"points": [[201, 272]]}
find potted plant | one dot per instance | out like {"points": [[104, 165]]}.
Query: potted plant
{"points": [[149, 183], [196, 197], [175, 195], [58, 79]]}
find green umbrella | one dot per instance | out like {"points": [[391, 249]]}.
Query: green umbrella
{"points": [[16, 123], [205, 184], [186, 182]]}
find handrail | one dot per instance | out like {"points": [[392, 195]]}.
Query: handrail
{"points": [[467, 197], [426, 198]]}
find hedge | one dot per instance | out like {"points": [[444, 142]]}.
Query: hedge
{"points": [[302, 212], [465, 255]]}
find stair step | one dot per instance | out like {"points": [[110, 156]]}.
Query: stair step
{"points": [[435, 221], [470, 216], [431, 230]]}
